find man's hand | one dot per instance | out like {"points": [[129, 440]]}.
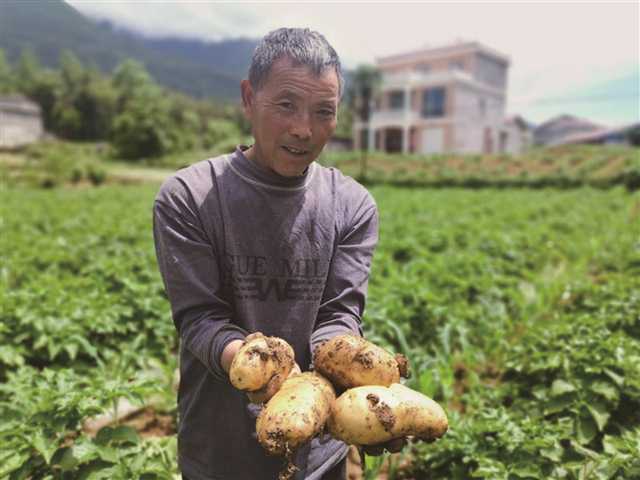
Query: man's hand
{"points": [[264, 394], [258, 365], [229, 353], [392, 446]]}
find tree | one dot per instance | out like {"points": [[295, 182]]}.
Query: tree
{"points": [[85, 106], [28, 71], [143, 126], [130, 78], [345, 121], [365, 85], [6, 80], [72, 73]]}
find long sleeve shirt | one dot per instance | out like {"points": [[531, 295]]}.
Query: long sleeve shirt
{"points": [[242, 249]]}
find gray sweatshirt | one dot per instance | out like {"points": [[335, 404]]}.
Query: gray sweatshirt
{"points": [[242, 249]]}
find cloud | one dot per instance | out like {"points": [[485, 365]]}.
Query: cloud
{"points": [[553, 47]]}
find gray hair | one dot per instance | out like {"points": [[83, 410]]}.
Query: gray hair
{"points": [[302, 46]]}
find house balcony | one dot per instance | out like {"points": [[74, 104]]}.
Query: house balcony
{"points": [[400, 81], [413, 80], [393, 118]]}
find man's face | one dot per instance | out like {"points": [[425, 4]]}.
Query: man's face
{"points": [[292, 116]]}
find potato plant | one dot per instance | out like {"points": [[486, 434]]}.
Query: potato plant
{"points": [[519, 312]]}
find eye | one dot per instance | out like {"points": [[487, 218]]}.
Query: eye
{"points": [[325, 112], [285, 105]]}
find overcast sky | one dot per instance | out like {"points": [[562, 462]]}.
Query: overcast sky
{"points": [[580, 58]]}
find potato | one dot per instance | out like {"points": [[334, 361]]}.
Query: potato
{"points": [[373, 414], [259, 361], [350, 361], [263, 395], [295, 414]]}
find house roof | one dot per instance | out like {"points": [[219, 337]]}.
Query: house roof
{"points": [[18, 103], [430, 53], [598, 135], [556, 129], [568, 121]]}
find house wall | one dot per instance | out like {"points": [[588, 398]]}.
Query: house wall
{"points": [[518, 140], [423, 132], [472, 120], [489, 71], [19, 128], [466, 126]]}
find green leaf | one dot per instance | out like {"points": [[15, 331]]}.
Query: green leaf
{"points": [[553, 453], [99, 471], [560, 387], [600, 414], [558, 404], [79, 453], [13, 463], [587, 452], [606, 389], [108, 454], [586, 430], [618, 379], [72, 350], [68, 461], [120, 434], [45, 446], [427, 383], [526, 471]]}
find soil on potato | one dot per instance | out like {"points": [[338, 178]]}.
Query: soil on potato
{"points": [[382, 411]]}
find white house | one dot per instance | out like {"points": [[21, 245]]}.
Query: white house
{"points": [[20, 121], [437, 100]]}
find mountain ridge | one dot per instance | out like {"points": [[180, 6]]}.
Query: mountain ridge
{"points": [[200, 69]]}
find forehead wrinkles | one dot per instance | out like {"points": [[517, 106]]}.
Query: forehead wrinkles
{"points": [[302, 82]]}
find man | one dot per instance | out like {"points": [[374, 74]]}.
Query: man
{"points": [[266, 240]]}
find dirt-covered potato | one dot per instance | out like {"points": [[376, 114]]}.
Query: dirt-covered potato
{"points": [[350, 361], [295, 414], [373, 414], [263, 395], [262, 361]]}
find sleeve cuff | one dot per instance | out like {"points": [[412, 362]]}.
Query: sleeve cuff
{"points": [[224, 336]]}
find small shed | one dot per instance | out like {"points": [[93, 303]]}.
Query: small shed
{"points": [[20, 122], [516, 136]]}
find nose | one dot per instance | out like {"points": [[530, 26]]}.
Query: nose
{"points": [[300, 127]]}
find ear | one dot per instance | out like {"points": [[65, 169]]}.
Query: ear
{"points": [[248, 98]]}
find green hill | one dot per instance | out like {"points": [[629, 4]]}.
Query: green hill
{"points": [[48, 27]]}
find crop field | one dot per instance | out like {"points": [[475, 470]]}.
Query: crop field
{"points": [[566, 166], [518, 309]]}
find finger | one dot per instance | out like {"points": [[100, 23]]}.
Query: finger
{"points": [[373, 450], [269, 390], [253, 336], [395, 445]]}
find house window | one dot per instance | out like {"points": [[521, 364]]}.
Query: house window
{"points": [[456, 65], [396, 100], [433, 102]]}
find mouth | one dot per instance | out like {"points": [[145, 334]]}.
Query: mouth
{"points": [[295, 151]]}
